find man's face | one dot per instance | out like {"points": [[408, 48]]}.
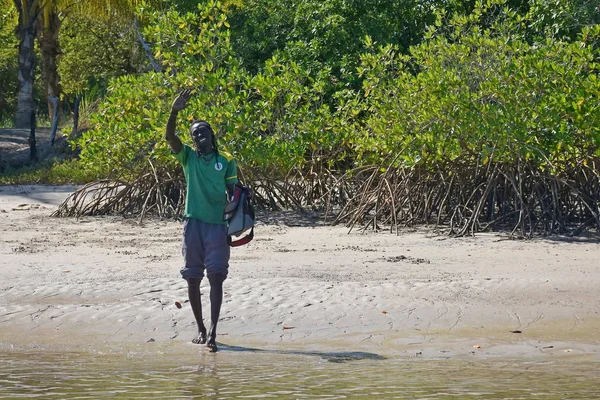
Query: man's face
{"points": [[202, 136]]}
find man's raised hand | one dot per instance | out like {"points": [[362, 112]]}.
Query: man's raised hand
{"points": [[181, 101]]}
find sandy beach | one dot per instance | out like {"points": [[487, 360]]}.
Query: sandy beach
{"points": [[110, 284]]}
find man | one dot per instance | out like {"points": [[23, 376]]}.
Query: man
{"points": [[210, 177]]}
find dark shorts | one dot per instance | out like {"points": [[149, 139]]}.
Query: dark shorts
{"points": [[204, 247]]}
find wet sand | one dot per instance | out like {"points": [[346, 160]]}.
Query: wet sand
{"points": [[110, 284]]}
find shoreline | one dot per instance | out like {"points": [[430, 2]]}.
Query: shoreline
{"points": [[110, 284]]}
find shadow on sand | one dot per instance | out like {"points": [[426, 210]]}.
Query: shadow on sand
{"points": [[335, 357], [304, 218]]}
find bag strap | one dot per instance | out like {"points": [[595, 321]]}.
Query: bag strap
{"points": [[246, 239]]}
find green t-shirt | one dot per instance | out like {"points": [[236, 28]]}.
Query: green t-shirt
{"points": [[206, 184]]}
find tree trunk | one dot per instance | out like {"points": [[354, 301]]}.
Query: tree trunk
{"points": [[54, 101], [33, 157], [26, 33], [50, 50]]}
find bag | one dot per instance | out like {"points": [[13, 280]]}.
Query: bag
{"points": [[239, 214]]}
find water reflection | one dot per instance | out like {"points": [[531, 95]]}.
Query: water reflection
{"points": [[239, 372]]}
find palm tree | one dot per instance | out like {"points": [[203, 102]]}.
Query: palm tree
{"points": [[26, 31], [43, 19]]}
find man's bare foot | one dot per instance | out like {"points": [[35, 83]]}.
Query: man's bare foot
{"points": [[212, 345], [200, 339]]}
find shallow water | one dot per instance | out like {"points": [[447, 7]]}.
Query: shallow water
{"points": [[235, 373]]}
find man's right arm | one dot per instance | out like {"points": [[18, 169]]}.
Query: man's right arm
{"points": [[170, 136], [180, 102]]}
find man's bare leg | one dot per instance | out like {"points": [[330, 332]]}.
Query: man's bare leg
{"points": [[196, 303], [216, 299]]}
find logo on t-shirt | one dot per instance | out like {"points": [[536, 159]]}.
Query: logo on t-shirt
{"points": [[218, 166]]}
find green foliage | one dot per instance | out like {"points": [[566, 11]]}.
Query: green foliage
{"points": [[129, 129], [472, 113], [418, 110], [483, 96], [318, 35], [283, 119], [562, 18], [8, 62], [275, 119], [50, 172], [125, 129], [81, 64]]}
